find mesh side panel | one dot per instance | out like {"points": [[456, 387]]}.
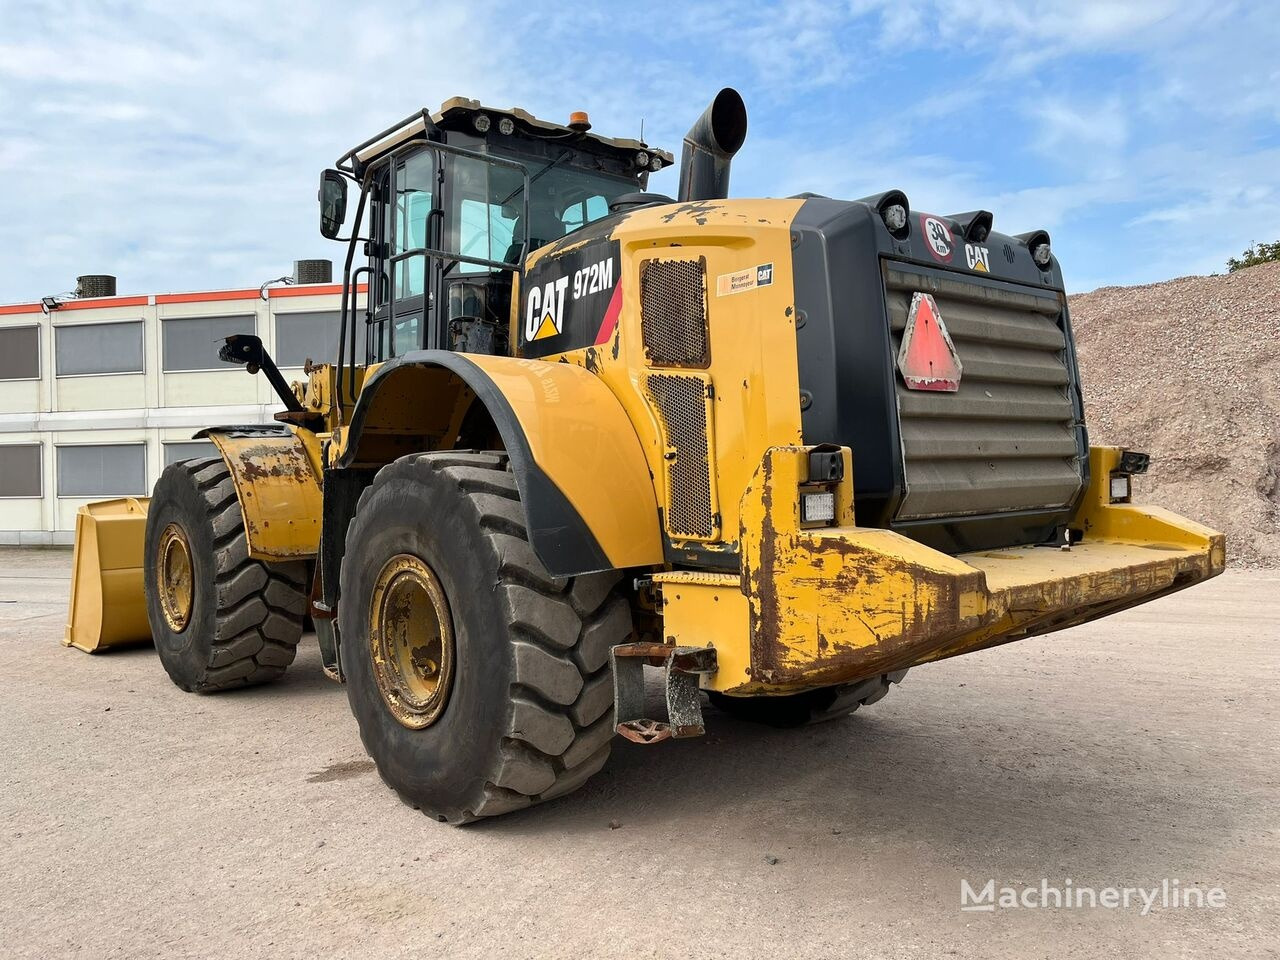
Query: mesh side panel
{"points": [[681, 403], [673, 312]]}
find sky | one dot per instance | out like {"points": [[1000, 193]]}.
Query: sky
{"points": [[178, 145]]}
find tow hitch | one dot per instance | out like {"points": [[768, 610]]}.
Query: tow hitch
{"points": [[681, 668]]}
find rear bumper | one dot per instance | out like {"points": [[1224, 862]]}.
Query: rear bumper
{"points": [[815, 607]]}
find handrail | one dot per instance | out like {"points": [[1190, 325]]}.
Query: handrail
{"points": [[348, 158], [346, 295]]}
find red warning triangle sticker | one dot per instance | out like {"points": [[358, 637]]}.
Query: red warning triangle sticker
{"points": [[927, 357]]}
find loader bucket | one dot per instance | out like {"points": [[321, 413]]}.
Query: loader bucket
{"points": [[108, 607]]}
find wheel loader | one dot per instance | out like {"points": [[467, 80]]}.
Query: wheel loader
{"points": [[768, 452]]}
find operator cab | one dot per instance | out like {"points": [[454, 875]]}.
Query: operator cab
{"points": [[456, 201]]}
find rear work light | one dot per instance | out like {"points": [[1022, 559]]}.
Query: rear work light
{"points": [[817, 507], [1121, 489], [1133, 462], [895, 217]]}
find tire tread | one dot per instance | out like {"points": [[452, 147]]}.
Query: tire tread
{"points": [[560, 723], [259, 606]]}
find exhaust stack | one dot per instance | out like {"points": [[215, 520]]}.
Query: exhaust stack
{"points": [[709, 147]]}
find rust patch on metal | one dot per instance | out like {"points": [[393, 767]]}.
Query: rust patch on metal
{"points": [[760, 583], [806, 588], [917, 625], [269, 461], [697, 210]]}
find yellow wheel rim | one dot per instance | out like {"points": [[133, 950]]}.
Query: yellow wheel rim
{"points": [[174, 577], [411, 641]]}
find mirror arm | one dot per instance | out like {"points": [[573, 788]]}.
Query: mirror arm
{"points": [[247, 349]]}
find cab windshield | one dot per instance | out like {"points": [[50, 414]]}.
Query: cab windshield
{"points": [[562, 198]]}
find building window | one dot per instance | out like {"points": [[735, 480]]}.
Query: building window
{"points": [[98, 348], [192, 343], [303, 336], [102, 470], [20, 470], [179, 450], [19, 353]]}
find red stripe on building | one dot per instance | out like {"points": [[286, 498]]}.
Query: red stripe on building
{"points": [[99, 303], [312, 290], [19, 308], [206, 296]]}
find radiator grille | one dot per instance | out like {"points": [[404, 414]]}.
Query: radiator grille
{"points": [[673, 312], [683, 409], [1007, 440]]}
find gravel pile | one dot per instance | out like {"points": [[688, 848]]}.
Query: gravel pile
{"points": [[1189, 371]]}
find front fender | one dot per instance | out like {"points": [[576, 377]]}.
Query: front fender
{"points": [[277, 486], [583, 477]]}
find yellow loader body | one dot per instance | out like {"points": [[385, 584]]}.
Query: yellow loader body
{"points": [[771, 446]]}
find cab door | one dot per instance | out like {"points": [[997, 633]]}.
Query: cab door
{"points": [[445, 245], [407, 223]]}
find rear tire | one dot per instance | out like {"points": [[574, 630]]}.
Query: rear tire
{"points": [[243, 617], [528, 713], [812, 706]]}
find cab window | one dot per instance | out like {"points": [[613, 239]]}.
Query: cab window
{"points": [[584, 211], [486, 232], [563, 197], [414, 185], [486, 204]]}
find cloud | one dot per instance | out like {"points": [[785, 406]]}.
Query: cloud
{"points": [[179, 146], [1067, 126], [194, 139]]}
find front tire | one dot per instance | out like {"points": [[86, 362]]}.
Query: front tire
{"points": [[520, 709], [219, 618]]}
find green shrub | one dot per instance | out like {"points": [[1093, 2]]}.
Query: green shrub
{"points": [[1254, 255]]}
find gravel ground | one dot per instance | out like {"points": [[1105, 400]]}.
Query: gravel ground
{"points": [[137, 821], [1189, 371]]}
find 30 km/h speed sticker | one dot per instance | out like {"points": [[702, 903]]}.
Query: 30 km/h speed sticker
{"points": [[938, 236]]}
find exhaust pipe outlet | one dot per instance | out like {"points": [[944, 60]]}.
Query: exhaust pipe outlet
{"points": [[709, 147]]}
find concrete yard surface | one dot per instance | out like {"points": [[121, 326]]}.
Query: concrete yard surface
{"points": [[137, 820]]}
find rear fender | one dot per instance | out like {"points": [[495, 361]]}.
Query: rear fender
{"points": [[582, 474]]}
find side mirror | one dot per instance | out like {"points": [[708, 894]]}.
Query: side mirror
{"points": [[333, 203]]}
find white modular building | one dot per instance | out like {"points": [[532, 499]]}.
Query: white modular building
{"points": [[99, 393]]}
